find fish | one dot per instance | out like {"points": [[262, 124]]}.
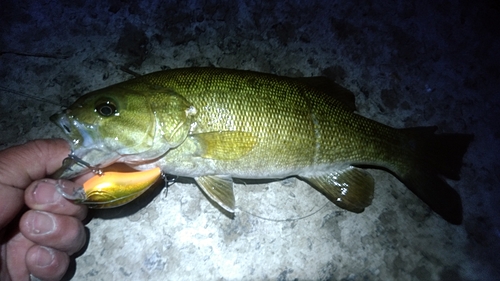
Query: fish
{"points": [[216, 125]]}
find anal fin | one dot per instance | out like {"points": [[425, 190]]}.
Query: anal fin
{"points": [[219, 189], [350, 189]]}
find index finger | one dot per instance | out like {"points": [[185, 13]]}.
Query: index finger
{"points": [[20, 165]]}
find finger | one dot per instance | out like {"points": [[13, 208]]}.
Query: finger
{"points": [[43, 195], [64, 233], [20, 165], [11, 202], [23, 164], [13, 258], [46, 263]]}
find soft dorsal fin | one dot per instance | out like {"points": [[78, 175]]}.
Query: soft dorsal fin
{"points": [[350, 189], [219, 189], [226, 145], [332, 89]]}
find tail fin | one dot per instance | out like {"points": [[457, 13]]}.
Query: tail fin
{"points": [[437, 156]]}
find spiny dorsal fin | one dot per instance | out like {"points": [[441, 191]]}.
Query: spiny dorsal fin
{"points": [[219, 189], [350, 189], [226, 145], [331, 89]]}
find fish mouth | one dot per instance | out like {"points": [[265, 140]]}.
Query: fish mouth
{"points": [[74, 130], [90, 151], [62, 121], [87, 150]]}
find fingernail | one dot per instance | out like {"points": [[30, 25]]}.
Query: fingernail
{"points": [[43, 257], [41, 223], [45, 193], [71, 191]]}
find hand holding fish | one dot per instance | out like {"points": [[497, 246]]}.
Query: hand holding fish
{"points": [[37, 241]]}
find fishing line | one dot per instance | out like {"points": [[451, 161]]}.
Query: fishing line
{"points": [[13, 92], [36, 55], [285, 220], [17, 93]]}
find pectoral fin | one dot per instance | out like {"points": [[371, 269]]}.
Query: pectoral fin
{"points": [[226, 145], [350, 189], [219, 189]]}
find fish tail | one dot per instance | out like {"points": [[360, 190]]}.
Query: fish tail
{"points": [[435, 157]]}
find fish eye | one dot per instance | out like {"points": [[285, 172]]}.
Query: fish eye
{"points": [[106, 108]]}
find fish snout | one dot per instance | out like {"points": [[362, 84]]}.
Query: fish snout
{"points": [[62, 121]]}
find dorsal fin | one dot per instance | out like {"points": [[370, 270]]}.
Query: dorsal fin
{"points": [[331, 89]]}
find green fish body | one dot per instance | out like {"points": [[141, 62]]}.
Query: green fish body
{"points": [[214, 125]]}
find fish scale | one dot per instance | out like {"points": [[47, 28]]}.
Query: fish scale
{"points": [[292, 129], [290, 107]]}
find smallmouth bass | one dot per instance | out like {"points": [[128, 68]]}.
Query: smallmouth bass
{"points": [[215, 124]]}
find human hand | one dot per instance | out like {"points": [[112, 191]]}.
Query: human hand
{"points": [[38, 240]]}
